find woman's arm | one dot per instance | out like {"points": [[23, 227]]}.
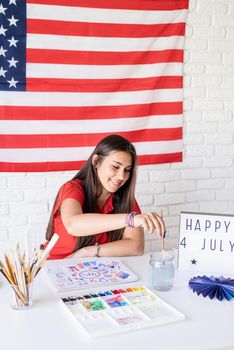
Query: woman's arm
{"points": [[131, 244], [79, 224]]}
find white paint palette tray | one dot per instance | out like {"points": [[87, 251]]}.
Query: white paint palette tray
{"points": [[100, 313]]}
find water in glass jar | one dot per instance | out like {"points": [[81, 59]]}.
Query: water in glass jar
{"points": [[162, 271]]}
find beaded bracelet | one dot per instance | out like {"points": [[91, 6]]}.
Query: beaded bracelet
{"points": [[129, 220]]}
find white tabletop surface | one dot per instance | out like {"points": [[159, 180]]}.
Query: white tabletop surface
{"points": [[209, 324]]}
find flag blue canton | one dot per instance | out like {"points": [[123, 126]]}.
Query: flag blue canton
{"points": [[13, 45]]}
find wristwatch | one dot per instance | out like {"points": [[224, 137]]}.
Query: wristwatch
{"points": [[97, 250]]}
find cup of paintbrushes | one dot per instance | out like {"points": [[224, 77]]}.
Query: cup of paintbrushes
{"points": [[17, 272], [21, 298], [20, 270]]}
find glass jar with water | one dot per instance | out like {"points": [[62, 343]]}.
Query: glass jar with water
{"points": [[162, 270]]}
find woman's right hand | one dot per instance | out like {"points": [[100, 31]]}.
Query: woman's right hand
{"points": [[150, 222]]}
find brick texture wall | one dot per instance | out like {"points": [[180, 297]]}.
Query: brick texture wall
{"points": [[204, 181]]}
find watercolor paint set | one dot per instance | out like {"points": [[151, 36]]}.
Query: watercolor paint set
{"points": [[125, 309], [69, 274]]}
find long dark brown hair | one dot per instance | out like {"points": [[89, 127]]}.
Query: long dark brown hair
{"points": [[123, 199]]}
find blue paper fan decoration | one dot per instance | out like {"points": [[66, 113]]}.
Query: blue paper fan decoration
{"points": [[213, 287]]}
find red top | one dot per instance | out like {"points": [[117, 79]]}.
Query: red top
{"points": [[66, 243]]}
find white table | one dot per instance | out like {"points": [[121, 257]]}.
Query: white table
{"points": [[47, 325]]}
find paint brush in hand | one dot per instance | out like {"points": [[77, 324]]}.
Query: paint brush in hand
{"points": [[162, 243]]}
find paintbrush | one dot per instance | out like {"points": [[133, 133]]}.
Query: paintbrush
{"points": [[162, 243], [39, 267], [50, 245], [41, 256]]}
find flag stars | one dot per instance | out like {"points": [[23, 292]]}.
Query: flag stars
{"points": [[12, 2], [3, 30], [2, 72], [2, 9], [2, 51], [12, 41], [12, 62], [12, 82], [12, 21]]}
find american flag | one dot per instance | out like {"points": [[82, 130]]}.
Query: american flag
{"points": [[74, 71]]}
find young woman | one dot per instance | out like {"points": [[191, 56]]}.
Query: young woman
{"points": [[95, 213]]}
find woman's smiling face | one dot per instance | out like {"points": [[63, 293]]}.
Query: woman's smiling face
{"points": [[114, 170]]}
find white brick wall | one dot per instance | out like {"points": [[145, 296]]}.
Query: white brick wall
{"points": [[204, 181]]}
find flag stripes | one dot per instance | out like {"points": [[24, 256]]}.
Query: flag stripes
{"points": [[156, 5], [91, 14], [104, 30], [81, 153], [79, 140], [80, 113], [103, 58], [105, 85], [19, 166], [72, 127]]}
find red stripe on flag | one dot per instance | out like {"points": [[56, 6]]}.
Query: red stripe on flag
{"points": [[86, 140], [165, 5], [103, 58], [124, 30], [103, 85], [60, 166], [80, 113], [160, 158]]}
